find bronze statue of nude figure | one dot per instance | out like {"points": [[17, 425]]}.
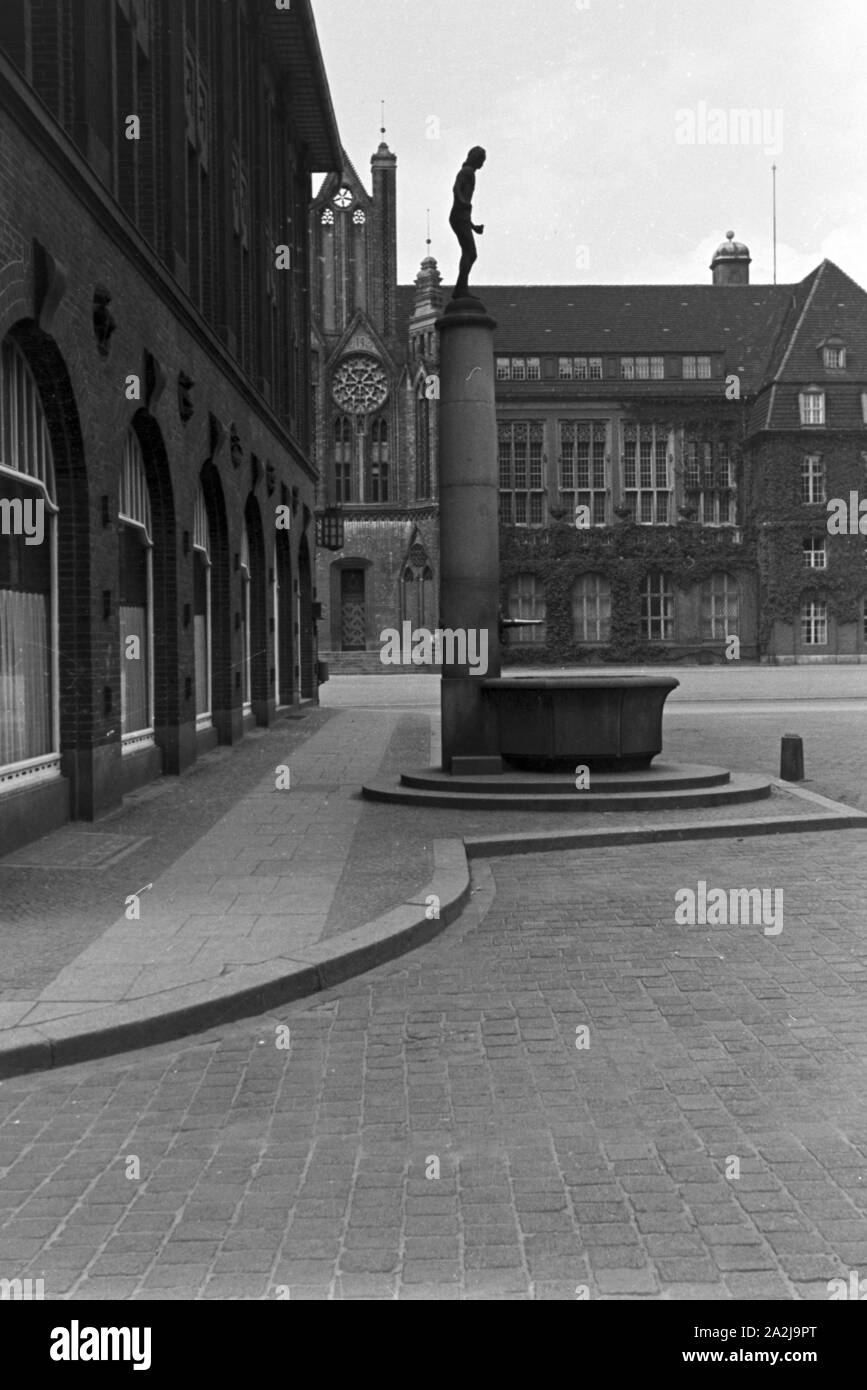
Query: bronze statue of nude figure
{"points": [[460, 218]]}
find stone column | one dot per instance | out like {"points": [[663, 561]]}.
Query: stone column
{"points": [[469, 532]]}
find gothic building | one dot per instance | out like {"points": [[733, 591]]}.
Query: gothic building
{"points": [[666, 454], [375, 380], [155, 392]]}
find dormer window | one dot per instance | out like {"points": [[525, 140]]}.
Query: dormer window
{"points": [[696, 367], [833, 353], [812, 404], [518, 369]]}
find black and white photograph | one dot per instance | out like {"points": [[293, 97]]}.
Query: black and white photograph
{"points": [[433, 668]]}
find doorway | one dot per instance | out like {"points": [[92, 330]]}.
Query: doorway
{"points": [[352, 615]]}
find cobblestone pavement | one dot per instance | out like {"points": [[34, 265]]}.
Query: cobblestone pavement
{"points": [[311, 1170]]}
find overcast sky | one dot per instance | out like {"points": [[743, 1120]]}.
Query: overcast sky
{"points": [[613, 156]]}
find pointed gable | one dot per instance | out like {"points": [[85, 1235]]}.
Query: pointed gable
{"points": [[361, 336], [348, 177], [826, 305]]}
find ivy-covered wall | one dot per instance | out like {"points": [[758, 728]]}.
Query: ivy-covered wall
{"points": [[781, 521], [625, 554]]}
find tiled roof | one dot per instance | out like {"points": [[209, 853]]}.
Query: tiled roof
{"points": [[742, 321], [826, 303], [770, 335]]}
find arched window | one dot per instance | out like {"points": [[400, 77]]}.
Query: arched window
{"points": [[282, 591], [720, 609], [422, 445], [526, 600], [379, 460], [657, 608], [591, 608], [416, 583], [202, 617], [342, 459], [409, 595], [246, 656], [136, 600], [29, 711]]}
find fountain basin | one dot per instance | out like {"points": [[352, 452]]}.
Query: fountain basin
{"points": [[555, 723]]}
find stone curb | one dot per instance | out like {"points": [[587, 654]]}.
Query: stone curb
{"points": [[249, 990], [543, 841]]}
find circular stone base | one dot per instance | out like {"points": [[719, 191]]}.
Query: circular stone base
{"points": [[666, 786]]}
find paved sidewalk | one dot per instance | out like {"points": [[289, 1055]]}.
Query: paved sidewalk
{"points": [[247, 905]]}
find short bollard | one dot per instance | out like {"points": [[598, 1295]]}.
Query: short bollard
{"points": [[792, 758]]}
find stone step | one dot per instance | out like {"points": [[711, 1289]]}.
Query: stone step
{"points": [[661, 777], [741, 787]]}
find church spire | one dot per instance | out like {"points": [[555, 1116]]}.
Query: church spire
{"points": [[383, 145], [383, 167]]}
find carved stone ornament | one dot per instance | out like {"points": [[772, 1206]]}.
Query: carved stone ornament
{"points": [[185, 400], [103, 319]]}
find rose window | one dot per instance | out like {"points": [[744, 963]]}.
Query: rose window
{"points": [[359, 386], [343, 198]]}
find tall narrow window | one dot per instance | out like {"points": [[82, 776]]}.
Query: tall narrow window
{"points": [[202, 618], [813, 478], [814, 623], [709, 479], [583, 481], [135, 600], [246, 656], [522, 485], [657, 608], [526, 600], [197, 107], [422, 446], [591, 608], [342, 459], [646, 477], [379, 478], [720, 612], [29, 713]]}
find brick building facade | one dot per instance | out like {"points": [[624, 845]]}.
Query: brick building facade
{"points": [[666, 453], [155, 400]]}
